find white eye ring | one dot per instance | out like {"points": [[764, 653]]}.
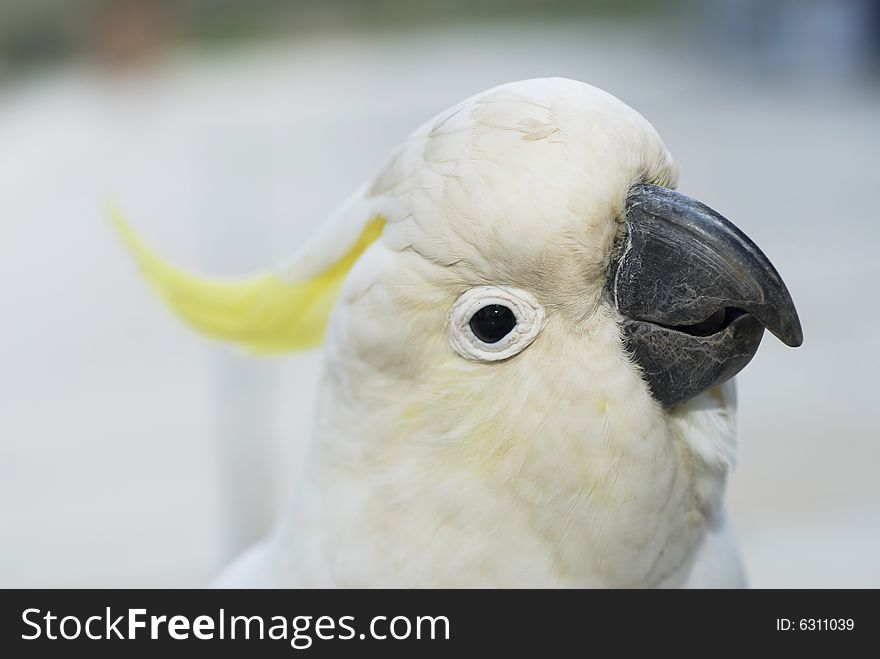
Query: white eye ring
{"points": [[530, 320]]}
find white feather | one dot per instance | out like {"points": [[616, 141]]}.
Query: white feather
{"points": [[552, 468]]}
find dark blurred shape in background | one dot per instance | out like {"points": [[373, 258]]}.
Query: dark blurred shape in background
{"points": [[125, 33], [797, 36], [765, 36]]}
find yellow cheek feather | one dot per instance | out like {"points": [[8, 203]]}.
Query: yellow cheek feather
{"points": [[262, 313]]}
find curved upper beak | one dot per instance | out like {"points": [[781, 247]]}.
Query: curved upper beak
{"points": [[695, 294]]}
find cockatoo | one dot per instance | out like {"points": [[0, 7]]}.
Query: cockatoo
{"points": [[529, 339]]}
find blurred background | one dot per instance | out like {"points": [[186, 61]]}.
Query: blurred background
{"points": [[132, 453]]}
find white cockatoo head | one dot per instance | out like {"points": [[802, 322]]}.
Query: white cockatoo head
{"points": [[517, 311]]}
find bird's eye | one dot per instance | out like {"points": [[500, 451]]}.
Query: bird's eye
{"points": [[490, 323]]}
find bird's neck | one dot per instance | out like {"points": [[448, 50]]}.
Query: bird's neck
{"points": [[609, 495]]}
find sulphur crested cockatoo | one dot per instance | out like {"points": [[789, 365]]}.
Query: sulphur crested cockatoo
{"points": [[528, 344]]}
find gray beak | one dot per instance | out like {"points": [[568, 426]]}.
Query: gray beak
{"points": [[695, 294]]}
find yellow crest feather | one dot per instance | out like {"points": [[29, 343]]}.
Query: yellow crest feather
{"points": [[263, 313]]}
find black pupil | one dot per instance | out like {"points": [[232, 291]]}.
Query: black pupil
{"points": [[492, 323]]}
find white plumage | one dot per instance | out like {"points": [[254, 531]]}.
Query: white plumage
{"points": [[554, 468]]}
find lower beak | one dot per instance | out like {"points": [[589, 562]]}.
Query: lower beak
{"points": [[694, 293]]}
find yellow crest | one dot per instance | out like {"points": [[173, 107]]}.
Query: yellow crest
{"points": [[263, 313]]}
